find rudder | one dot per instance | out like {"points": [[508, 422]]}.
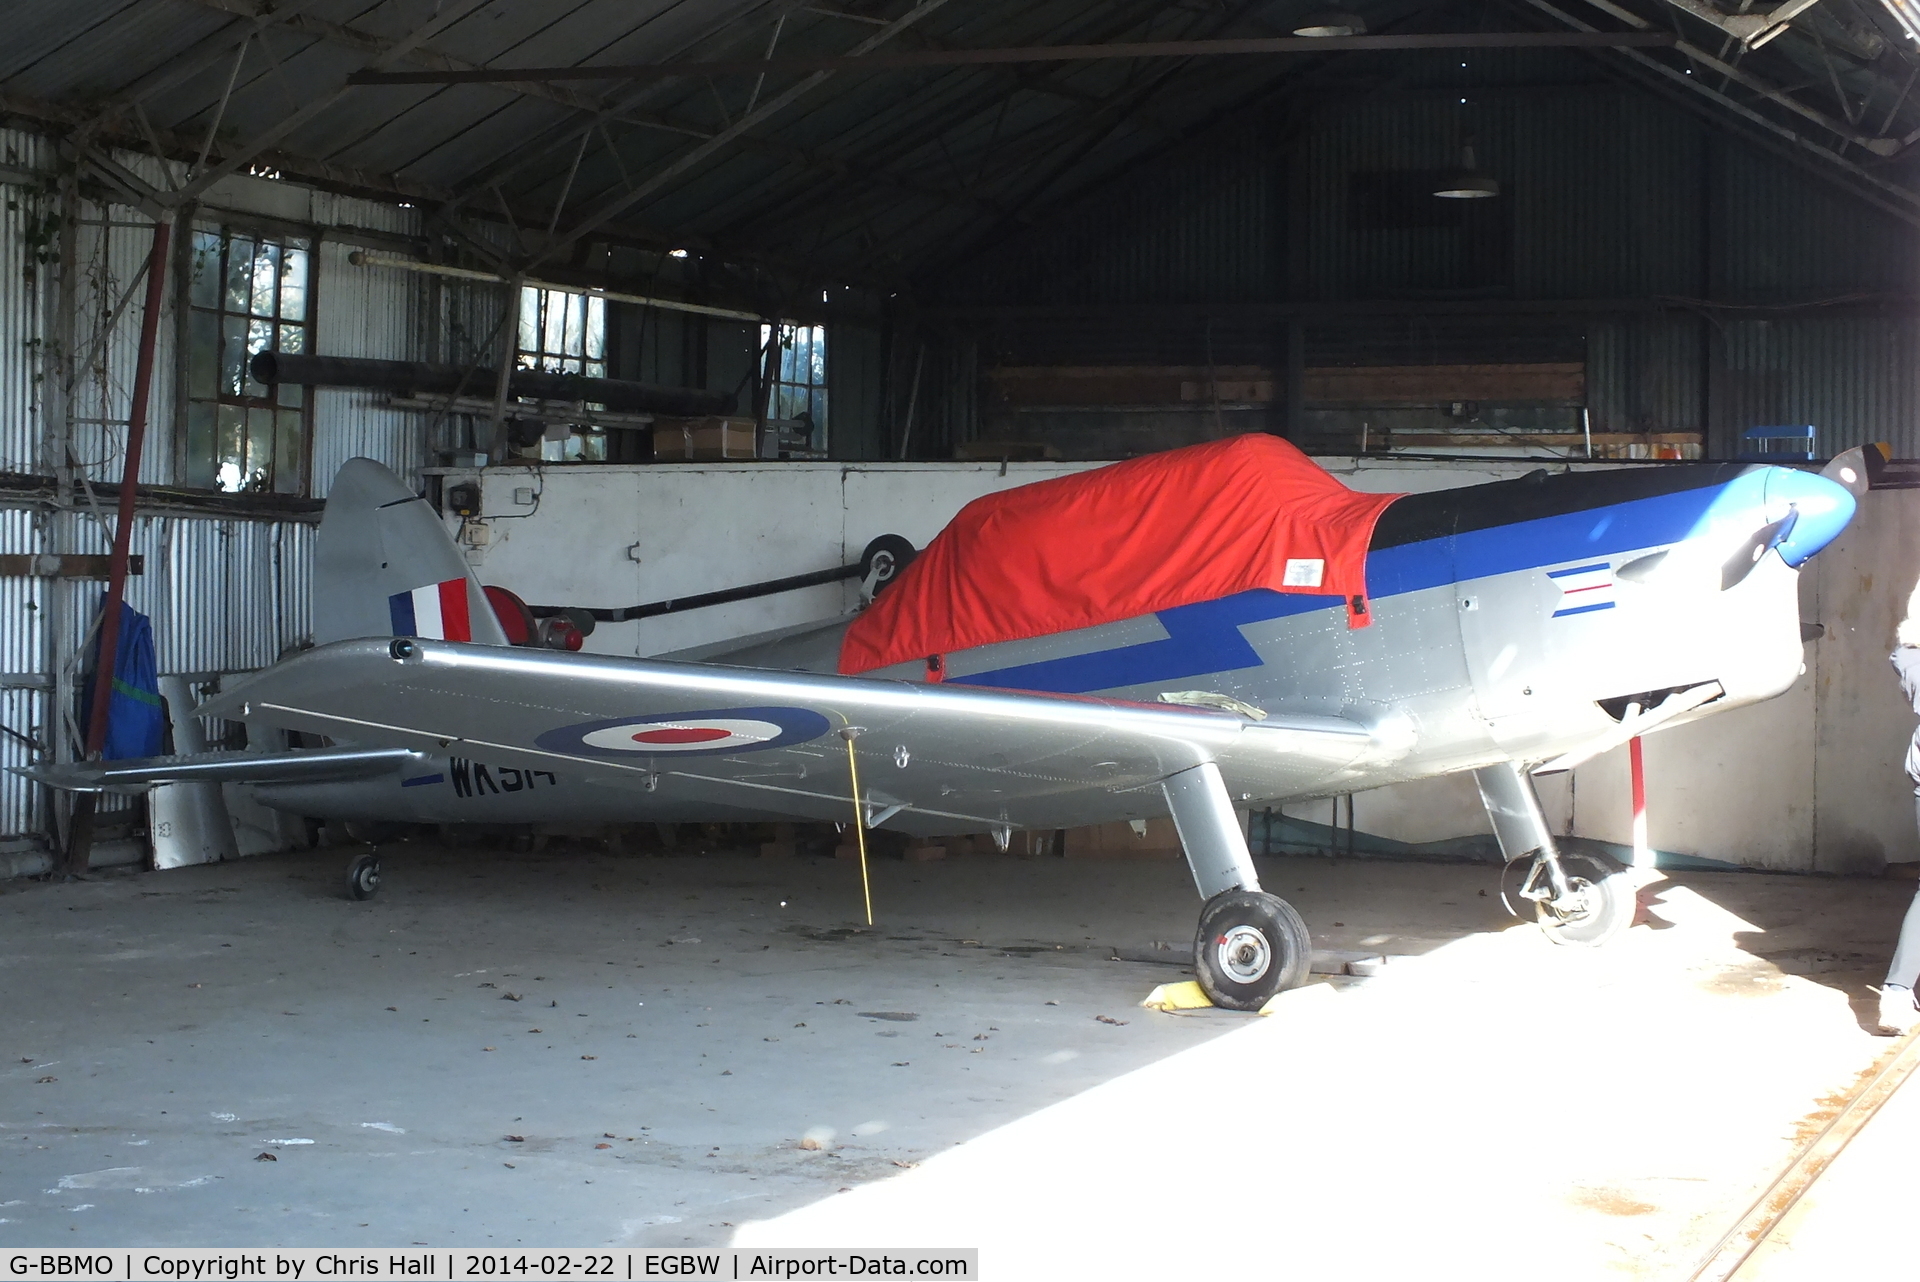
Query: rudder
{"points": [[384, 566]]}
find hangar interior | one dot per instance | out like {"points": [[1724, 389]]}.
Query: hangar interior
{"points": [[640, 331]]}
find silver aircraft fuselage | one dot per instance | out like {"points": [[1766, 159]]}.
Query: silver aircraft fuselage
{"points": [[1524, 620]]}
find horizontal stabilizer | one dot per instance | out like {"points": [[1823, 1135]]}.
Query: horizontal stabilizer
{"points": [[134, 775]]}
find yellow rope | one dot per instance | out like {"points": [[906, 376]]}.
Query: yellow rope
{"points": [[859, 828]]}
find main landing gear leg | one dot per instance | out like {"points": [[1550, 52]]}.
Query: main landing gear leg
{"points": [[1576, 898], [1250, 945]]}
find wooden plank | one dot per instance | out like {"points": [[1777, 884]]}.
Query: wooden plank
{"points": [[68, 565], [1366, 385], [1194, 386]]}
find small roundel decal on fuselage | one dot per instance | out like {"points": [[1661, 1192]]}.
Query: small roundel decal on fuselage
{"points": [[717, 730]]}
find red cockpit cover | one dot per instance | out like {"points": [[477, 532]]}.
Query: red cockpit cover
{"points": [[1149, 534]]}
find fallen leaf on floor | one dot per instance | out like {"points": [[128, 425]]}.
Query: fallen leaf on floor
{"points": [[516, 1139], [193, 985], [769, 1039], [26, 1059], [908, 1166], [726, 1072], [589, 1057], [1108, 1019], [393, 1008], [533, 1030], [486, 1048], [606, 1135], [603, 1144], [901, 1063], [44, 1080], [1053, 1003], [801, 1024], [811, 1143], [487, 984], [981, 1037], [509, 997], [266, 1157], [508, 1165], [899, 1016]]}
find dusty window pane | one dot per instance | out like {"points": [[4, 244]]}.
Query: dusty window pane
{"points": [[291, 395], [203, 289], [529, 319], [552, 339], [266, 279], [293, 284], [201, 445], [289, 453], [239, 273], [230, 453], [259, 449], [596, 348], [233, 354], [259, 339], [203, 354]]}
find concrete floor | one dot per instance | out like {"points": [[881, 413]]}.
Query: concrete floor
{"points": [[661, 1034]]}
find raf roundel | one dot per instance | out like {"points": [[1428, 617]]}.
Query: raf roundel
{"points": [[719, 730]]}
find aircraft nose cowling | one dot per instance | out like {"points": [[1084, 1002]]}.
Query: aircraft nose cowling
{"points": [[1824, 507]]}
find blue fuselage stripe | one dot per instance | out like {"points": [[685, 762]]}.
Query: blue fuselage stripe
{"points": [[1205, 638]]}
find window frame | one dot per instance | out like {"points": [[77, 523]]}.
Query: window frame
{"points": [[229, 226], [812, 393]]}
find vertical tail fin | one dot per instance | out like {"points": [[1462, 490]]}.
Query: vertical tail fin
{"points": [[384, 566]]}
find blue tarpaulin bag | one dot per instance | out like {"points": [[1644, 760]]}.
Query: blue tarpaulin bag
{"points": [[136, 717]]}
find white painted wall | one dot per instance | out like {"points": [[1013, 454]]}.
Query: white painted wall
{"points": [[1809, 781], [701, 527]]}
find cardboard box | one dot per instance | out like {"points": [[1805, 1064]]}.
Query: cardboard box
{"points": [[710, 438]]}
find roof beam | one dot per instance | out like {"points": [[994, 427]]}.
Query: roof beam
{"points": [[911, 59], [1865, 185], [246, 151], [639, 191]]}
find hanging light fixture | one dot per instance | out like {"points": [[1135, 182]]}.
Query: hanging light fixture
{"points": [[1330, 22], [1467, 182]]}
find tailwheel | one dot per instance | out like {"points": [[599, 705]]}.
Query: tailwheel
{"points": [[1250, 946], [363, 876], [1594, 905]]}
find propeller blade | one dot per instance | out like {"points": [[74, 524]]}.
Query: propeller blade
{"points": [[1758, 544]]}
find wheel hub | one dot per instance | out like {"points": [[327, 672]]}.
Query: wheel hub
{"points": [[1244, 954]]}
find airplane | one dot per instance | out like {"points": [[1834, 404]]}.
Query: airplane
{"points": [[1225, 626]]}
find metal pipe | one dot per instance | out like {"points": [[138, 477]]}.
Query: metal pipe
{"points": [[418, 376], [675, 605], [366, 258], [80, 847]]}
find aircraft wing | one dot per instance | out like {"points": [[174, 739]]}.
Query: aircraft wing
{"points": [[137, 774], [932, 758]]}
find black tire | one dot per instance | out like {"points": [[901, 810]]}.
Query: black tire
{"points": [[1250, 946], [1606, 904], [363, 877], [892, 550]]}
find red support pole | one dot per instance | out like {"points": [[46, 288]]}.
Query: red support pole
{"points": [[80, 846], [1637, 770]]}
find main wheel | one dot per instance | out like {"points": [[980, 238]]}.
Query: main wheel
{"points": [[1250, 945], [363, 876], [1598, 907]]}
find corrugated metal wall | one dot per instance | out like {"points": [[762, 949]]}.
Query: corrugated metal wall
{"points": [[1665, 231], [370, 312], [225, 594], [23, 214]]}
